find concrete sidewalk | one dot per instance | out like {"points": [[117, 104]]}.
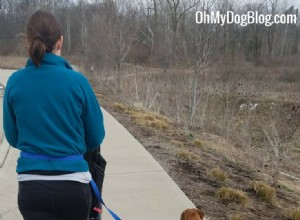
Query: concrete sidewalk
{"points": [[136, 187], [4, 147], [8, 157]]}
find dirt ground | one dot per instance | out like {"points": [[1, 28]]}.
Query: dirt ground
{"points": [[191, 170]]}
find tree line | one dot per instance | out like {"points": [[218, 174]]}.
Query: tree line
{"points": [[162, 33]]}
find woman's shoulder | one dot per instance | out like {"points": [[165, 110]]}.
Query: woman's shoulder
{"points": [[15, 75], [78, 76]]}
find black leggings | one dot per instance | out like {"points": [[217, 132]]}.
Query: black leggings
{"points": [[54, 200]]}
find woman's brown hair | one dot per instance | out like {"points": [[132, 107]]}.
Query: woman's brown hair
{"points": [[42, 32]]}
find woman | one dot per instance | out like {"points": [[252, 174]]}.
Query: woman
{"points": [[52, 116]]}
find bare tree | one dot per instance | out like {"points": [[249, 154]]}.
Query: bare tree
{"points": [[279, 132], [178, 8], [116, 27], [198, 46]]}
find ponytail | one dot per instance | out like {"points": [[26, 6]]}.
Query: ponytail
{"points": [[37, 49], [42, 33]]}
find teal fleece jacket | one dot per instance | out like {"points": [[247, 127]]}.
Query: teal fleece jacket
{"points": [[51, 110]]}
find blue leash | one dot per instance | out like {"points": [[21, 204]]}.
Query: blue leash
{"points": [[99, 197], [72, 157]]}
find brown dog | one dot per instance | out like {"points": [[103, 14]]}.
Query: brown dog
{"points": [[192, 214]]}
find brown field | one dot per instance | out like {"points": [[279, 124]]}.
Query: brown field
{"points": [[245, 130], [12, 62], [245, 115]]}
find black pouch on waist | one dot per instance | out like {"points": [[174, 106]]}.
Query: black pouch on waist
{"points": [[97, 166]]}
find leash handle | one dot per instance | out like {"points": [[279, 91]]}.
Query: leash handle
{"points": [[99, 197]]}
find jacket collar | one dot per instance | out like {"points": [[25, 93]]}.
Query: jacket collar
{"points": [[51, 59]]}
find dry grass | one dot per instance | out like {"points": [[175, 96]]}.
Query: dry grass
{"points": [[101, 97], [144, 118], [12, 62], [290, 185], [219, 174], [119, 107], [149, 119], [222, 146], [233, 195], [295, 145], [292, 214], [177, 143], [264, 191], [237, 217], [187, 155], [199, 143], [234, 138]]}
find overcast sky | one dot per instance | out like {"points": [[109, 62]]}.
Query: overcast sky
{"points": [[296, 3], [290, 2]]}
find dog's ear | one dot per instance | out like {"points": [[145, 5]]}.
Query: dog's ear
{"points": [[201, 214], [182, 217]]}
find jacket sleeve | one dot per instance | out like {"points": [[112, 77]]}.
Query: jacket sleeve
{"points": [[92, 119], [9, 119]]}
